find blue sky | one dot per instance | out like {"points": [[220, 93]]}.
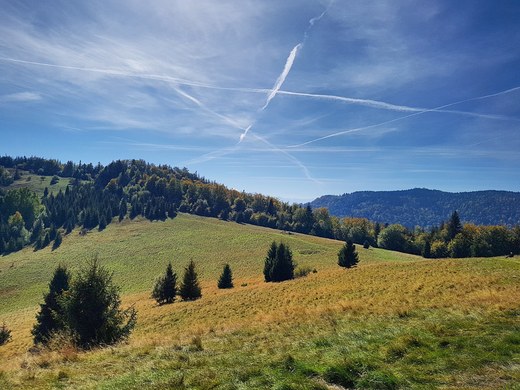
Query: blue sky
{"points": [[294, 99]]}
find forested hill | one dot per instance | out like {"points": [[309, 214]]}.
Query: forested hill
{"points": [[423, 207]]}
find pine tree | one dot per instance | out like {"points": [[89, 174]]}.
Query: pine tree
{"points": [[49, 318], [454, 226], [226, 278], [426, 251], [123, 209], [284, 265], [190, 289], [57, 241], [279, 264], [347, 255], [270, 261], [92, 310], [166, 287]]}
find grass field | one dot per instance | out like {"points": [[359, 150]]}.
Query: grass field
{"points": [[395, 321], [38, 183]]}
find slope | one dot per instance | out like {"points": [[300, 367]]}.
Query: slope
{"points": [[394, 321]]}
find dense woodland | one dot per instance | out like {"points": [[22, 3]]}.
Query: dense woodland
{"points": [[99, 195], [426, 208]]}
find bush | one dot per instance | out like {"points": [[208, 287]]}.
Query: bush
{"points": [[438, 249], [302, 272], [5, 334]]}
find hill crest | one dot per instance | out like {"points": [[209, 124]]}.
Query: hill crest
{"points": [[425, 207]]}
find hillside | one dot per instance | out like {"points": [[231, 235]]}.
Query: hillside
{"points": [[423, 207], [395, 321]]}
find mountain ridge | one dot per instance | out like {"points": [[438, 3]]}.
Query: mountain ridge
{"points": [[425, 207]]}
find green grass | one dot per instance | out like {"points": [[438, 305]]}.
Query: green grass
{"points": [[395, 321], [38, 183]]}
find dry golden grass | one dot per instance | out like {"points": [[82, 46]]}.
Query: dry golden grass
{"points": [[269, 317]]}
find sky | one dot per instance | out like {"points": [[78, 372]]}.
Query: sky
{"points": [[293, 99]]}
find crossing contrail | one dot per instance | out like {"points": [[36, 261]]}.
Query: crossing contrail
{"points": [[436, 109], [349, 100]]}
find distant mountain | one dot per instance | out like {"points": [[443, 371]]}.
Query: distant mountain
{"points": [[423, 207]]}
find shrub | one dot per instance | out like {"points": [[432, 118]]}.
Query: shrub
{"points": [[301, 272], [5, 334]]}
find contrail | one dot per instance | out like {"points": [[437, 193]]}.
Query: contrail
{"points": [[389, 106], [436, 109], [288, 65], [229, 121], [289, 156], [178, 81], [243, 135], [280, 80]]}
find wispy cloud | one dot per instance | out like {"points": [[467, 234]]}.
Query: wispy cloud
{"points": [[271, 93], [20, 97]]}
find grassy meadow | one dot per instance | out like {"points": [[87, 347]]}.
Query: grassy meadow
{"points": [[38, 183], [394, 321]]}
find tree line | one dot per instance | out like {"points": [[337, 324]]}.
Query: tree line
{"points": [[98, 195]]}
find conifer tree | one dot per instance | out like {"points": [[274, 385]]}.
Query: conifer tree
{"points": [[279, 264], [123, 209], [49, 318], [226, 278], [57, 241], [454, 226], [269, 261], [284, 265], [347, 255], [426, 251], [92, 310], [190, 288], [165, 288]]}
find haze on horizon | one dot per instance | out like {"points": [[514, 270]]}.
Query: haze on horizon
{"points": [[294, 99]]}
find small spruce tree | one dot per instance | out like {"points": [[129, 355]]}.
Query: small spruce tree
{"points": [[269, 262], [226, 278], [347, 255], [50, 317], [92, 309], [426, 250], [190, 288], [165, 288], [454, 226], [279, 264], [57, 241]]}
